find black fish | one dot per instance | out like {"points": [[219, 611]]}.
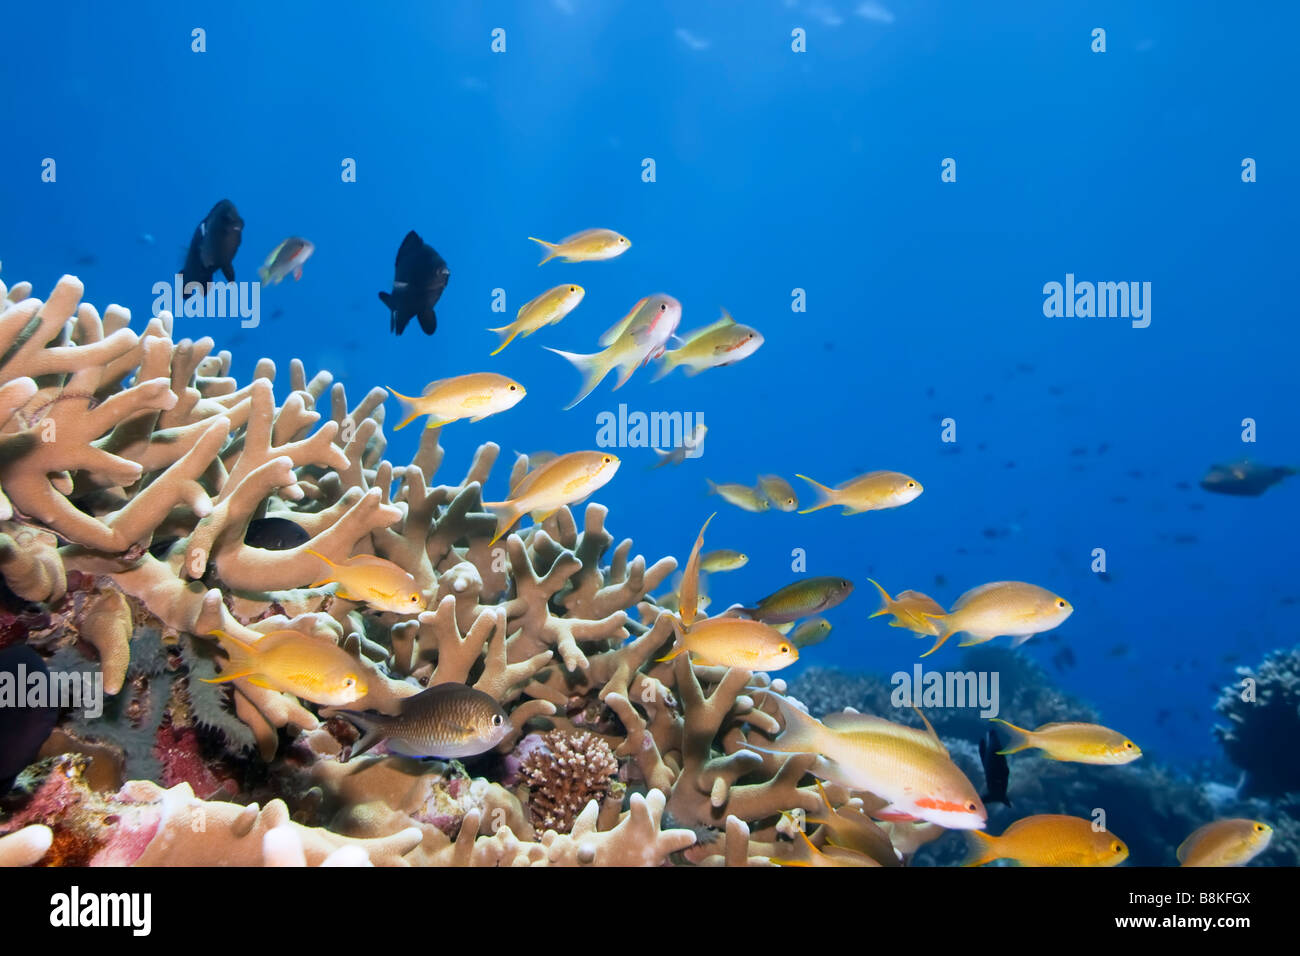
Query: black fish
{"points": [[161, 547], [996, 772], [1244, 478], [419, 277], [22, 729], [275, 534], [215, 242]]}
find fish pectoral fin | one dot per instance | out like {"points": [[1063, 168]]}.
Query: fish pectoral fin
{"points": [[540, 516], [260, 682]]}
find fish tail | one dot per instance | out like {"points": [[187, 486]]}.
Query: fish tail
{"points": [[801, 729], [552, 249], [947, 628], [508, 333], [984, 848], [668, 361], [413, 412], [239, 658], [884, 595], [329, 578], [263, 274], [372, 731], [593, 367], [1021, 739], [507, 515], [828, 495]]}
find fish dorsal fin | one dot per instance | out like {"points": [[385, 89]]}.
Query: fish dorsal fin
{"points": [[698, 334], [879, 726], [929, 727], [1058, 724], [526, 483], [618, 328], [518, 473], [921, 598], [428, 389], [976, 592], [371, 561]]}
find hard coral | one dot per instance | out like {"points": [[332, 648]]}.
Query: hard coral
{"points": [[564, 772], [1262, 708]]}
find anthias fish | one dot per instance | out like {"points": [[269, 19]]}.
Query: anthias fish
{"points": [[542, 492], [446, 720], [801, 599], [419, 276], [630, 343], [474, 396], [851, 829], [779, 492], [909, 769], [381, 584], [742, 496], [1244, 478], [689, 590], [736, 642], [1072, 742], [725, 342], [1001, 608], [214, 244], [1225, 843], [911, 609], [547, 309], [590, 245], [996, 772], [1050, 839], [723, 559], [817, 856], [313, 668], [284, 259], [874, 491]]}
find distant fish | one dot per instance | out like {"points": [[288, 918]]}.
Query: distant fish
{"points": [[284, 259], [474, 396], [446, 720], [383, 585], [851, 829], [275, 534], [1244, 478], [214, 244], [629, 344], [873, 491], [1049, 839], [996, 772], [1225, 843], [801, 599], [1073, 742], [419, 276], [742, 496], [723, 560], [911, 609], [779, 492], [678, 454], [725, 342], [313, 668], [546, 309], [809, 632], [22, 729], [1001, 608], [590, 245]]}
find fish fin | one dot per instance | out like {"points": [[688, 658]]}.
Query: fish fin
{"points": [[945, 630], [1021, 739], [786, 627], [983, 848], [1020, 639], [801, 730], [692, 371], [884, 596], [297, 274], [413, 412], [428, 321], [675, 653], [828, 494], [508, 333], [668, 363], [624, 376], [239, 657], [593, 367], [825, 799], [540, 516], [260, 682], [372, 733], [263, 274], [329, 578], [228, 272], [611, 334], [225, 676], [387, 299], [507, 515], [929, 727], [552, 249]]}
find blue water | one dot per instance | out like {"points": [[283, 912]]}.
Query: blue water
{"points": [[775, 171]]}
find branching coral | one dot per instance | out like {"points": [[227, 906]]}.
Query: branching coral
{"points": [[564, 772]]}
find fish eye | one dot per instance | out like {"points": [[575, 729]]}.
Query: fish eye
{"points": [[621, 239], [514, 388], [971, 807], [573, 288], [415, 599], [1260, 828], [784, 648], [606, 460], [911, 484], [496, 720], [1117, 847], [349, 682], [1128, 745], [1060, 603]]}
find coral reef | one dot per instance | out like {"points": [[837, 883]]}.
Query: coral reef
{"points": [[1261, 708], [564, 772]]}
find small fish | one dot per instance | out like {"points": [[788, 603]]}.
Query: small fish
{"points": [[381, 584], [910, 609], [909, 769], [474, 396], [853, 830], [313, 668], [590, 245], [543, 491], [23, 729], [725, 342], [630, 343], [284, 259], [1073, 742], [1244, 478], [419, 276], [1001, 608], [996, 772], [1225, 843], [1050, 839], [873, 491], [910, 836], [809, 632], [679, 453], [539, 458], [742, 496], [214, 244], [779, 492], [800, 599], [736, 642], [450, 721], [830, 856], [275, 534], [723, 560], [547, 309], [689, 590]]}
